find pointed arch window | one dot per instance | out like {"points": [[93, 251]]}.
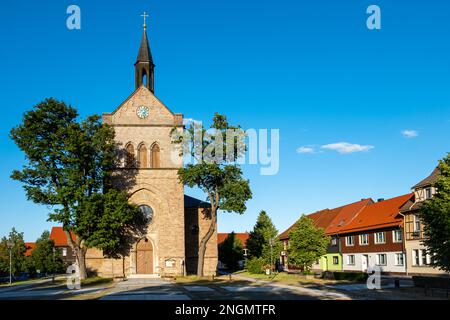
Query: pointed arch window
{"points": [[130, 156], [156, 157], [143, 161]]}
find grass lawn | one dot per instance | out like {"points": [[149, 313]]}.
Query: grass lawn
{"points": [[290, 279], [94, 281], [218, 280], [16, 283]]}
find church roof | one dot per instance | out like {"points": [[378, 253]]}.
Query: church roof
{"points": [[190, 202], [144, 54]]}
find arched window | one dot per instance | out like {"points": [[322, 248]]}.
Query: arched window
{"points": [[144, 77], [156, 161], [143, 163], [129, 157], [147, 214]]}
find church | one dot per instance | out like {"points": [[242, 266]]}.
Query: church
{"points": [[176, 222]]}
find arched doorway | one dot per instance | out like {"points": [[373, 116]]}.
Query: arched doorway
{"points": [[144, 257]]}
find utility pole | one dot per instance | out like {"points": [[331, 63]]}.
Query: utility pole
{"points": [[271, 241], [10, 245]]}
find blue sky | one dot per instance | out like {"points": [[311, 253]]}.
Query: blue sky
{"points": [[309, 68]]}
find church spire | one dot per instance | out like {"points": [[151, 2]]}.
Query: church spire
{"points": [[144, 66]]}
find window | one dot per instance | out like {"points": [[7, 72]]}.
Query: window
{"points": [[147, 213], [399, 259], [143, 163], [156, 161], [415, 257], [380, 237], [428, 193], [397, 235], [129, 158], [64, 252], [334, 241], [350, 241], [335, 260], [364, 239], [351, 260], [381, 259], [425, 258], [416, 223]]}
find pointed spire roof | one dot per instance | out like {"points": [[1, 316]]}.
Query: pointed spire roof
{"points": [[144, 54]]}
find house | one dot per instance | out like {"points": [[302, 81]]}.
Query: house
{"points": [[60, 239], [418, 260], [30, 247], [374, 237], [241, 236], [331, 221]]}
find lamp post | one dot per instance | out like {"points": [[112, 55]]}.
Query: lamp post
{"points": [[10, 246], [271, 242], [53, 267]]}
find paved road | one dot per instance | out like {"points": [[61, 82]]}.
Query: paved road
{"points": [[159, 289]]}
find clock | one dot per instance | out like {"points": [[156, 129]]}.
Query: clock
{"points": [[142, 112]]}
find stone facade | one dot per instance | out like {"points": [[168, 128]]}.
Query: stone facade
{"points": [[175, 231]]}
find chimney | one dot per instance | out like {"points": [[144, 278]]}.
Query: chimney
{"points": [[381, 200]]}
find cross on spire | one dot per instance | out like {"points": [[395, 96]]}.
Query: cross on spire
{"points": [[145, 16]]}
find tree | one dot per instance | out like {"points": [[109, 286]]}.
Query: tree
{"points": [[17, 253], [435, 214], [70, 167], [45, 257], [258, 243], [215, 171], [231, 252], [306, 243]]}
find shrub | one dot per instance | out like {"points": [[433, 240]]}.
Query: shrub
{"points": [[255, 265], [349, 276]]}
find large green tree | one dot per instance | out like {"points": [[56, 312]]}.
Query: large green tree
{"points": [[263, 241], [215, 171], [45, 257], [70, 167], [435, 214], [307, 243], [231, 252], [17, 253]]}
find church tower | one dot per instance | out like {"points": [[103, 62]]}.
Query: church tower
{"points": [[144, 66], [149, 161]]}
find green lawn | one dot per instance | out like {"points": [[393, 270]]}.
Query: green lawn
{"points": [[288, 278]]}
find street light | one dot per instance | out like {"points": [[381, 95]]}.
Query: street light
{"points": [[271, 242], [10, 245]]}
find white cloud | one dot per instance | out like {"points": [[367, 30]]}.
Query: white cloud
{"points": [[345, 147], [187, 121], [410, 133], [305, 150]]}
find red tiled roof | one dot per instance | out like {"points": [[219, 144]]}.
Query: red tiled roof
{"points": [[30, 247], [378, 215], [241, 236], [346, 215], [59, 237], [332, 219]]}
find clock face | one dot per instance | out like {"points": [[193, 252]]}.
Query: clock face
{"points": [[142, 112]]}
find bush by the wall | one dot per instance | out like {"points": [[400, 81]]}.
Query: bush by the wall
{"points": [[349, 276], [255, 265], [431, 282]]}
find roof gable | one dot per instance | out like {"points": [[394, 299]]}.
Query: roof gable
{"points": [[159, 113], [59, 237]]}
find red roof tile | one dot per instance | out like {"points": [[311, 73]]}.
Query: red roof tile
{"points": [[378, 215], [30, 247], [241, 236], [59, 237], [331, 220]]}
